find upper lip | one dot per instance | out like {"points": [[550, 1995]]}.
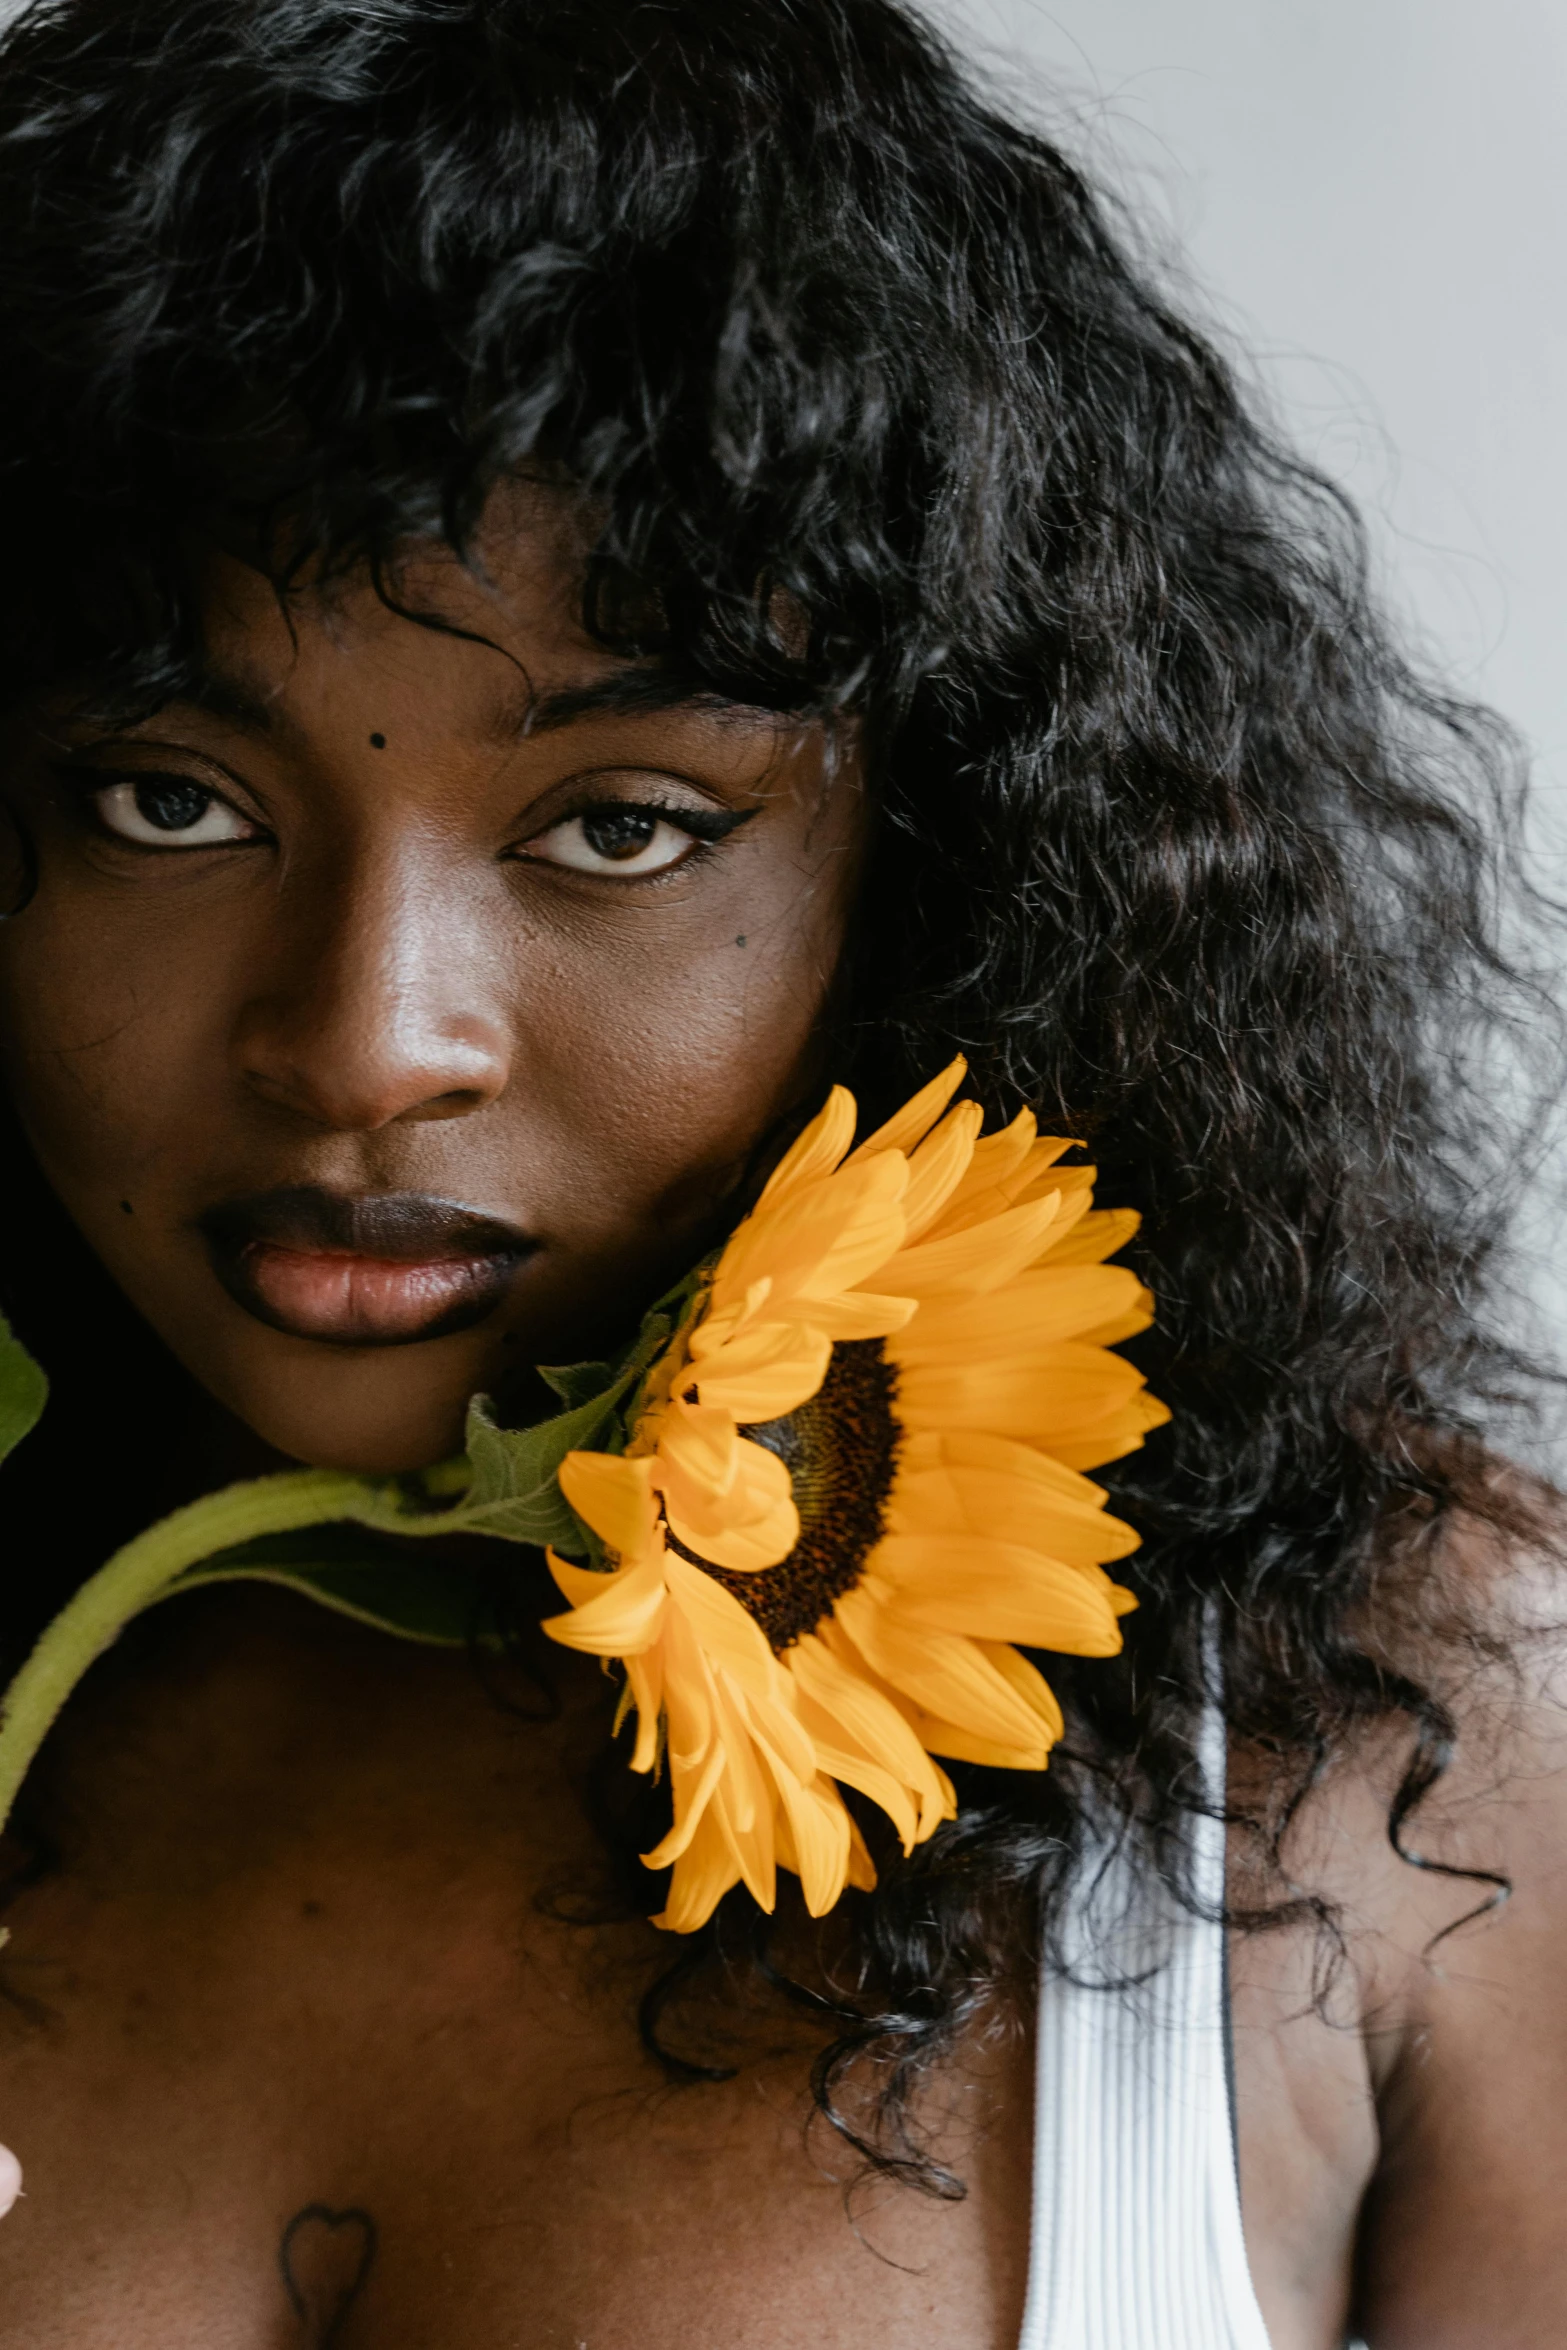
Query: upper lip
{"points": [[408, 1227], [246, 1237]]}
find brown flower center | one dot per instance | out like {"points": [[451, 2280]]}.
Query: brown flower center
{"points": [[841, 1451]]}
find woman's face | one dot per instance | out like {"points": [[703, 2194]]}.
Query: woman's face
{"points": [[399, 1011]]}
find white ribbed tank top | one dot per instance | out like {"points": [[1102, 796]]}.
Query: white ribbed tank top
{"points": [[1137, 2241]]}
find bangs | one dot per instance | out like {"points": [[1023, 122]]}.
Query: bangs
{"points": [[316, 278]]}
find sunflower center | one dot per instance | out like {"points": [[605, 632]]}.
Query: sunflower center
{"points": [[840, 1449]]}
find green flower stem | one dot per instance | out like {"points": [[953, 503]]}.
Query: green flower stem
{"points": [[505, 1484], [140, 1573]]}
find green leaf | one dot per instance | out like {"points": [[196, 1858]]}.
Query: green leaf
{"points": [[578, 1383], [380, 1582], [514, 1490], [316, 1529], [23, 1390]]}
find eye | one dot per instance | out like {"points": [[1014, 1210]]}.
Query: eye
{"points": [[169, 812], [621, 840]]}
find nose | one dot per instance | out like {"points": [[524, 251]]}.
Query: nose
{"points": [[378, 1005]]}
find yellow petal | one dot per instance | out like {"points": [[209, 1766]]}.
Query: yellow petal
{"points": [[769, 1370], [760, 1498], [945, 1673], [862, 1869], [704, 1871], [980, 1259], [996, 1167], [968, 1448], [622, 1613], [809, 1864], [776, 1721], [822, 1853], [698, 1452], [1091, 1236], [1036, 1309], [614, 1496], [1063, 1391], [645, 1687], [1122, 1433], [1048, 1148], [580, 1584], [1138, 1317], [855, 1313], [818, 1149], [1006, 1506], [812, 1832], [938, 1166], [853, 1769], [719, 1325], [964, 1744], [725, 1632], [1075, 1184], [866, 1742], [743, 1804], [864, 1243], [740, 1550], [825, 1237], [1028, 1682], [908, 1126], [697, 1758], [998, 1591], [834, 1637]]}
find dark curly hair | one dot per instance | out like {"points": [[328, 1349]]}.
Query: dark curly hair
{"points": [[1171, 839]]}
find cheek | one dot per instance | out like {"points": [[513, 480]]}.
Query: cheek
{"points": [[666, 1061], [108, 1038], [651, 1044]]}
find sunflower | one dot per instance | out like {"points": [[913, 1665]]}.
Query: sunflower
{"points": [[853, 1480]]}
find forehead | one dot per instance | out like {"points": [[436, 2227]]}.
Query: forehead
{"points": [[492, 645], [503, 625]]}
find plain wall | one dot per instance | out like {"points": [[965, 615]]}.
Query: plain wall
{"points": [[1371, 200]]}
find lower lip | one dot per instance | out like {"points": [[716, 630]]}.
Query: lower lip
{"points": [[351, 1300]]}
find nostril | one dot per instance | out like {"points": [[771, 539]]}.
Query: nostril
{"points": [[353, 1044], [361, 1103], [461, 1102]]}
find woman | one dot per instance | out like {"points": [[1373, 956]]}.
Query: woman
{"points": [[595, 592]]}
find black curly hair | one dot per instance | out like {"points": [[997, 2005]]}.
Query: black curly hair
{"points": [[1171, 839]]}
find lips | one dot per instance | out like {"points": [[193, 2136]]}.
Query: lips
{"points": [[379, 1269]]}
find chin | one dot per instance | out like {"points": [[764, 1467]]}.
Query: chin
{"points": [[372, 1413]]}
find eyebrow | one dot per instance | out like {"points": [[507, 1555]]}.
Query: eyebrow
{"points": [[242, 701], [225, 693], [623, 692]]}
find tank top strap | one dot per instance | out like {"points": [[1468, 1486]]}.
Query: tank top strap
{"points": [[1136, 2240]]}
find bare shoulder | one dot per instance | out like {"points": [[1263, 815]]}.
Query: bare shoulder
{"points": [[1420, 2046]]}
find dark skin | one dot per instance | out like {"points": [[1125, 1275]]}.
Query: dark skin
{"points": [[302, 2044], [386, 957]]}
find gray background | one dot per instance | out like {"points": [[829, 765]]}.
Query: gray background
{"points": [[1372, 199], [1368, 200]]}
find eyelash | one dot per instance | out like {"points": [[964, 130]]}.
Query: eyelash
{"points": [[88, 785], [706, 828]]}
